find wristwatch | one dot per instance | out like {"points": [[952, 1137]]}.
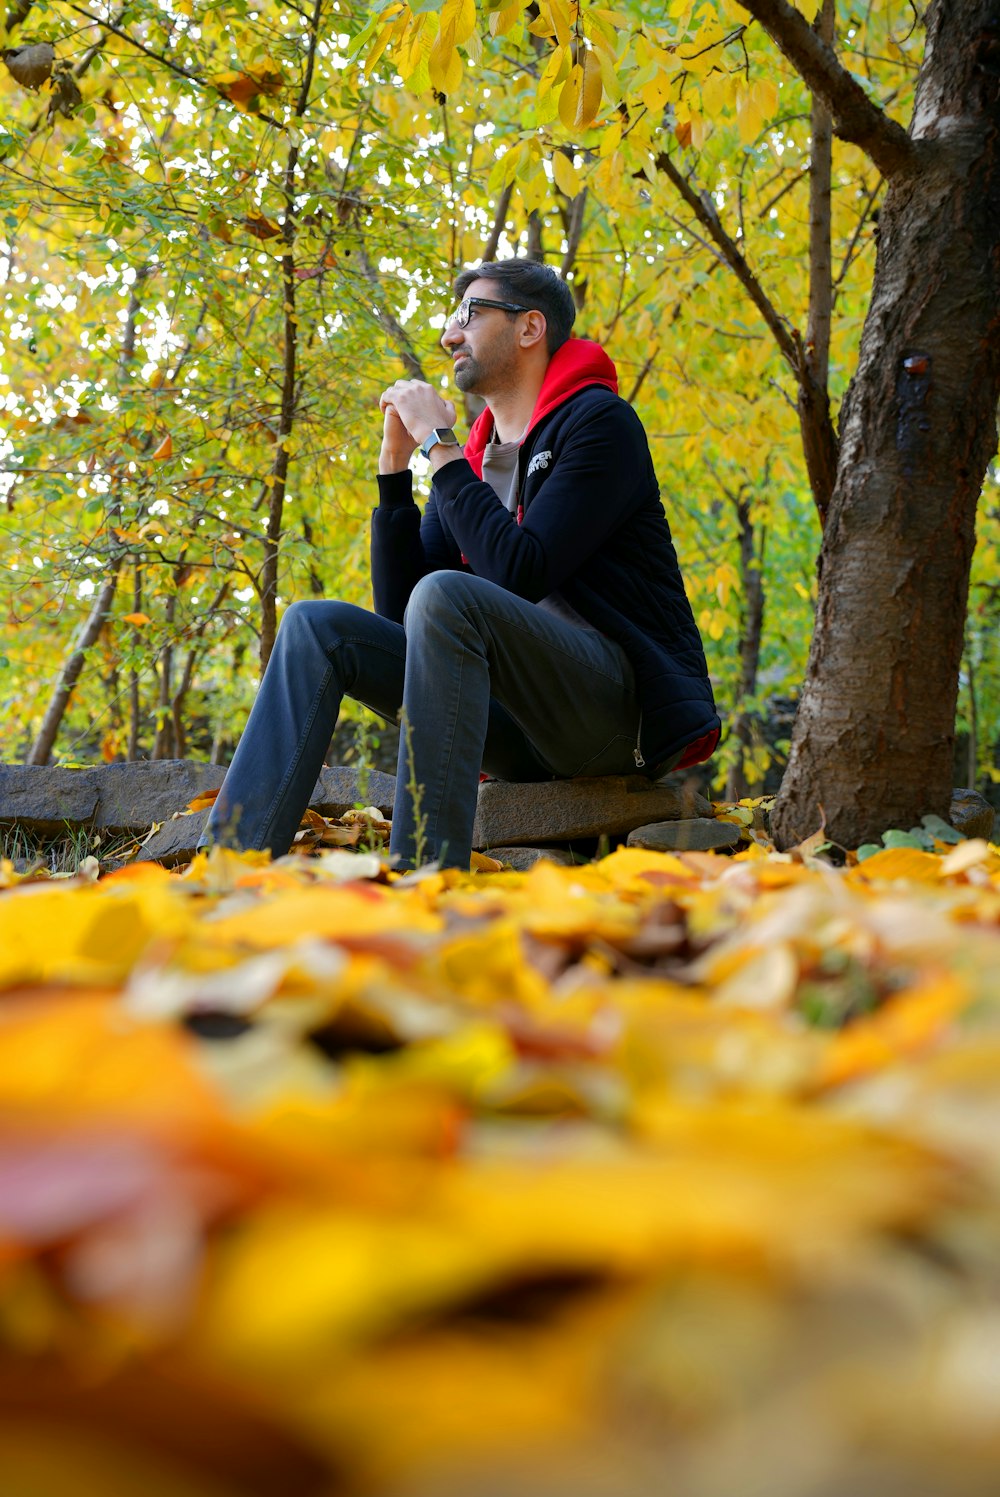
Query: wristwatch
{"points": [[442, 434]]}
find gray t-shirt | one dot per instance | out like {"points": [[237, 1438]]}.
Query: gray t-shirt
{"points": [[500, 472]]}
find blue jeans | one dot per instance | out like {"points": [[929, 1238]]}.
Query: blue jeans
{"points": [[479, 679]]}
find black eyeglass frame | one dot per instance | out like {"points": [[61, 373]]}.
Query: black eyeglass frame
{"points": [[468, 302]]}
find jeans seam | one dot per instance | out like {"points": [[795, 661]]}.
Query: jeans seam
{"points": [[296, 758], [434, 816], [556, 647]]}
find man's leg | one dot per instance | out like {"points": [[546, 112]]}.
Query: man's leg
{"points": [[567, 690], [323, 651]]}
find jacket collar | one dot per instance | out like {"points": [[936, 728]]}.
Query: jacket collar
{"points": [[578, 363]]}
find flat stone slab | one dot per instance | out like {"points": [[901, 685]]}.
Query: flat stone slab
{"points": [[337, 790], [517, 815], [523, 858], [129, 798], [108, 798], [175, 842], [132, 796], [340, 788], [45, 801], [692, 834]]}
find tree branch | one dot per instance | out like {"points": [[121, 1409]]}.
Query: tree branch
{"points": [[855, 117], [703, 209], [393, 327], [499, 219], [164, 61], [574, 233], [819, 440]]}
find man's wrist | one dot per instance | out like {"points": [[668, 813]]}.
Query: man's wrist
{"points": [[391, 460]]}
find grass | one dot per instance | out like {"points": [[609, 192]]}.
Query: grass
{"points": [[62, 852]]}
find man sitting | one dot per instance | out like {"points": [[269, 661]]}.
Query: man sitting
{"points": [[532, 622]]}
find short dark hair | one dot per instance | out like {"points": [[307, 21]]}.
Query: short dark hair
{"points": [[535, 286]]}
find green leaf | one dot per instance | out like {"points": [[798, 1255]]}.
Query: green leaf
{"points": [[916, 838], [941, 829]]}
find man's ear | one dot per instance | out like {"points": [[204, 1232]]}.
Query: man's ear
{"points": [[533, 329]]}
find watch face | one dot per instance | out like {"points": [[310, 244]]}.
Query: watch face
{"points": [[440, 434]]}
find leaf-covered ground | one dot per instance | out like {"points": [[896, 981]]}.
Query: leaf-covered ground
{"points": [[669, 1174]]}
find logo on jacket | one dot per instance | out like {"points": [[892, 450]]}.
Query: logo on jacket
{"points": [[540, 460]]}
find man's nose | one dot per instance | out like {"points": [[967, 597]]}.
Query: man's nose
{"points": [[451, 335]]}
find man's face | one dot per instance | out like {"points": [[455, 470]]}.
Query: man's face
{"points": [[484, 354]]}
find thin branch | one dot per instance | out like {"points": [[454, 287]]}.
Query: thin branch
{"points": [[633, 394], [165, 62], [855, 117], [704, 211], [851, 251], [499, 219], [575, 232], [398, 334]]}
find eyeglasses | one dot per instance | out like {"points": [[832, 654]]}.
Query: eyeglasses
{"points": [[460, 317]]}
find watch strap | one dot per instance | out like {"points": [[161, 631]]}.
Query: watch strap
{"points": [[442, 434]]}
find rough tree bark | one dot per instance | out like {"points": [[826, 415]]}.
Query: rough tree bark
{"points": [[874, 737]]}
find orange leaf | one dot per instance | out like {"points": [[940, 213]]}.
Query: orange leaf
{"points": [[138, 619], [166, 447], [203, 800]]}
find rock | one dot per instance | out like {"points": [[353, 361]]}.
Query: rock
{"points": [[523, 858], [175, 842], [132, 796], [694, 834], [971, 814], [339, 789], [45, 801], [561, 810]]}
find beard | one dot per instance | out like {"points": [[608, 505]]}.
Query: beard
{"points": [[495, 370], [468, 374]]}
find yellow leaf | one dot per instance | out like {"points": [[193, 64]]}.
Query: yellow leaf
{"points": [[558, 13], [444, 63], [555, 71], [502, 21], [567, 178], [580, 98], [899, 863]]}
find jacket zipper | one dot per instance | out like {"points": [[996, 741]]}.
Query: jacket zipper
{"points": [[637, 751]]}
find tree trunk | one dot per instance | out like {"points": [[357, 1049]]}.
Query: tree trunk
{"points": [[89, 635], [874, 737], [163, 743]]}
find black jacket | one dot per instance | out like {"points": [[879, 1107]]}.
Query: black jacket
{"points": [[593, 528]]}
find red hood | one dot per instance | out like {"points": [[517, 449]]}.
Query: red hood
{"points": [[577, 363]]}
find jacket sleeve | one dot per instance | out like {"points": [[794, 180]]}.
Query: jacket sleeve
{"points": [[600, 474], [404, 544]]}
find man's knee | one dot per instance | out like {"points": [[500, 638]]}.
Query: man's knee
{"points": [[438, 595], [314, 619]]}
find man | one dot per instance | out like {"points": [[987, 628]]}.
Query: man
{"points": [[532, 623]]}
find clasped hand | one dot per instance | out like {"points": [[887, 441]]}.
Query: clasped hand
{"points": [[411, 410]]}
